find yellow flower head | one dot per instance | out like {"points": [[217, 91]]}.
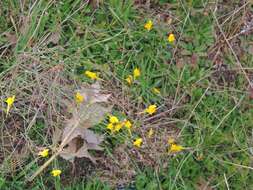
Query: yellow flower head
{"points": [[174, 148], [150, 133], [128, 124], [171, 38], [113, 119], [79, 98], [129, 79], [91, 75], [156, 91], [151, 109], [137, 142], [148, 25], [110, 126], [10, 100], [44, 153], [137, 73], [55, 173], [118, 126]]}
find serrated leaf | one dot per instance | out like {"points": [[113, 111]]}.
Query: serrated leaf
{"points": [[84, 116], [94, 112], [83, 152], [93, 94], [92, 138], [68, 153]]}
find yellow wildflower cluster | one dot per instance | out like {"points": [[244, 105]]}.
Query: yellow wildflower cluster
{"points": [[148, 25], [130, 78], [115, 125], [174, 147]]}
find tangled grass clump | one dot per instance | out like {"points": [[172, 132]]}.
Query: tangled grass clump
{"points": [[42, 90]]}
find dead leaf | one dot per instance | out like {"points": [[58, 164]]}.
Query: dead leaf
{"points": [[92, 138], [76, 135], [83, 152], [95, 113], [77, 132], [68, 153], [87, 116], [93, 95]]}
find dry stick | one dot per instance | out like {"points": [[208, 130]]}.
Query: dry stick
{"points": [[234, 54], [226, 181]]}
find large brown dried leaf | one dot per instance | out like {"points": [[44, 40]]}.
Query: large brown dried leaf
{"points": [[68, 153], [84, 116], [83, 153], [93, 94]]}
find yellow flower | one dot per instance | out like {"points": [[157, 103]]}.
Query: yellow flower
{"points": [[118, 126], [174, 148], [91, 75], [137, 73], [171, 141], [44, 153], [56, 173], [171, 38], [150, 133], [9, 101], [128, 124], [148, 25], [129, 79], [137, 142], [110, 126], [151, 109], [79, 98], [156, 91], [113, 119]]}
